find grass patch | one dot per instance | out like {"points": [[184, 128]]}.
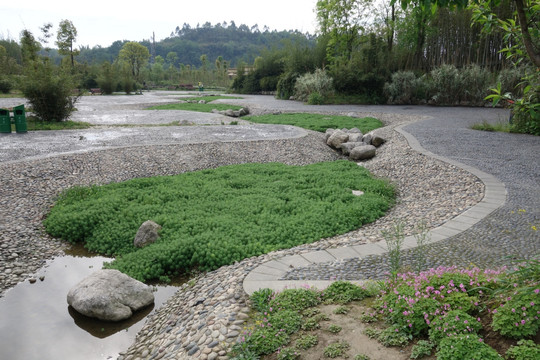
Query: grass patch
{"points": [[210, 98], [318, 122], [498, 127], [212, 218], [34, 124], [195, 107]]}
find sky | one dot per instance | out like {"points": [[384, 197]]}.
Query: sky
{"points": [[101, 22]]}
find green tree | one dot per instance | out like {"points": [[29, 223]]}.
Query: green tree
{"points": [[65, 40], [29, 48], [523, 24], [342, 21], [135, 56]]}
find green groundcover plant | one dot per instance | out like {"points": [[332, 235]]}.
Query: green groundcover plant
{"points": [[318, 122], [212, 218]]}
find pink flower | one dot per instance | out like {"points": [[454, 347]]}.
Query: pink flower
{"points": [[537, 291]]}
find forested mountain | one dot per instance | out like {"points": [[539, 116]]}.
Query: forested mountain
{"points": [[233, 43]]}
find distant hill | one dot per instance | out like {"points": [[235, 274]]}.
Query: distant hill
{"points": [[233, 43]]}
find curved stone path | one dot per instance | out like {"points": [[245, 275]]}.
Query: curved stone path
{"points": [[505, 224]]}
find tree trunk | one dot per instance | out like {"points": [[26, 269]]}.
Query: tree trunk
{"points": [[533, 53]]}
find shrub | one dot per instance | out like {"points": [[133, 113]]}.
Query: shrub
{"points": [[317, 82], [307, 341], [315, 99], [421, 349], [392, 336], [261, 299], [526, 111], [453, 323], [337, 349], [447, 85], [402, 89], [466, 347], [285, 85], [343, 292], [475, 83], [5, 85], [49, 92], [510, 80], [295, 299], [525, 350], [518, 317]]}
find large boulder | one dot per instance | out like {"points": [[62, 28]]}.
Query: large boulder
{"points": [[148, 233], [337, 138], [347, 147], [362, 152], [109, 295]]}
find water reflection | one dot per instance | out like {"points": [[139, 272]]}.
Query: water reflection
{"points": [[36, 322]]}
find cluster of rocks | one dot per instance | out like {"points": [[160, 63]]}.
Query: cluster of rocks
{"points": [[353, 143]]}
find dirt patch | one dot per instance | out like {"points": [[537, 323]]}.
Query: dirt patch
{"points": [[352, 333]]}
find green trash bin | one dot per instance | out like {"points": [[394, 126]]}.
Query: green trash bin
{"points": [[20, 119], [5, 121]]}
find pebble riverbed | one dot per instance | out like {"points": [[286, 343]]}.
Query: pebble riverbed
{"points": [[207, 314]]}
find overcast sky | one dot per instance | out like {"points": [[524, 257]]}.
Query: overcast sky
{"points": [[101, 22]]}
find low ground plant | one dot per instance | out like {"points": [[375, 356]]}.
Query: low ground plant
{"points": [[215, 217], [318, 122]]}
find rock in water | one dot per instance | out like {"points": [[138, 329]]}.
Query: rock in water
{"points": [[109, 295]]}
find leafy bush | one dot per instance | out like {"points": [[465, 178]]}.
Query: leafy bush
{"points": [[421, 349], [392, 336], [451, 324], [336, 349], [285, 85], [414, 301], [295, 299], [525, 350], [315, 99], [475, 83], [307, 341], [510, 80], [318, 122], [403, 88], [447, 85], [318, 82], [254, 208], [518, 317], [5, 85], [261, 299], [465, 347], [343, 292], [49, 92], [526, 110]]}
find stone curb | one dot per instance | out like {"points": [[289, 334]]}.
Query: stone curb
{"points": [[268, 274]]}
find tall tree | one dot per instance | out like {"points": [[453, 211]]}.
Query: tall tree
{"points": [[527, 17], [135, 56], [65, 40], [29, 47], [342, 21]]}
